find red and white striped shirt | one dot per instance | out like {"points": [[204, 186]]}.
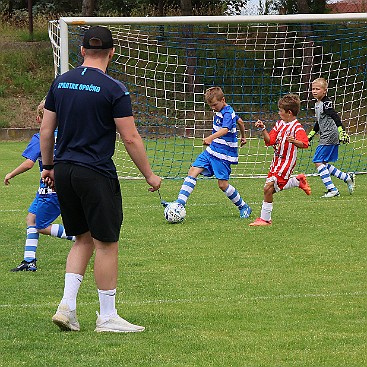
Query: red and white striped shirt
{"points": [[285, 153]]}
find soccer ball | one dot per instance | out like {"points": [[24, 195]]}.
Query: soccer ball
{"points": [[174, 212]]}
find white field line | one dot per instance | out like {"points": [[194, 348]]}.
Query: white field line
{"points": [[239, 298]]}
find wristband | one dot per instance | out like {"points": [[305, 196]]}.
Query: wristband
{"points": [[264, 128], [48, 167]]}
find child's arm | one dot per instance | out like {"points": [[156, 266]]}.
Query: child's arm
{"points": [[300, 140], [25, 166], [208, 140], [265, 134], [313, 132], [297, 143], [241, 126]]}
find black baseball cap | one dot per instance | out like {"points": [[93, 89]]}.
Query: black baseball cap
{"points": [[102, 34]]}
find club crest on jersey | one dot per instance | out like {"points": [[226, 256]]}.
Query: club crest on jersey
{"points": [[328, 105]]}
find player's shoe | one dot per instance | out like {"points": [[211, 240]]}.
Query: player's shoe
{"points": [[26, 266], [351, 183], [245, 211], [66, 319], [260, 222], [303, 184], [116, 324], [164, 203], [331, 194]]}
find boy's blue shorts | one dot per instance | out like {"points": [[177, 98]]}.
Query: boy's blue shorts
{"points": [[213, 166], [325, 154], [46, 208]]}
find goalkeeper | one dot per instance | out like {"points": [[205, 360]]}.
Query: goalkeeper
{"points": [[332, 133]]}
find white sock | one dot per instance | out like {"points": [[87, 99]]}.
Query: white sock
{"points": [[71, 288], [107, 302], [266, 210], [292, 182]]}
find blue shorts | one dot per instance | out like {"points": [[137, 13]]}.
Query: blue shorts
{"points": [[213, 166], [46, 208], [326, 153]]}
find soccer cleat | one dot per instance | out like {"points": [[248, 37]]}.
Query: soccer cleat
{"points": [[303, 184], [260, 222], [351, 183], [66, 319], [164, 203], [245, 211], [26, 266], [116, 324], [331, 194]]}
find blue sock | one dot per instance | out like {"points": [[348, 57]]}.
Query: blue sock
{"points": [[234, 196], [325, 177], [58, 230], [186, 189], [31, 243]]}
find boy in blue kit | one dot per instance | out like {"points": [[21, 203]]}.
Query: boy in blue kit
{"points": [[220, 154], [332, 132], [44, 208]]}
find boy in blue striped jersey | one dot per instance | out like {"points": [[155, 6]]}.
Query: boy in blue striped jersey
{"points": [[220, 154], [45, 207], [332, 133]]}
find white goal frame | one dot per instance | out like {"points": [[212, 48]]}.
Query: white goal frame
{"points": [[60, 43]]}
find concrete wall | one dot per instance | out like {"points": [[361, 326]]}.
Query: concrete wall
{"points": [[17, 133]]}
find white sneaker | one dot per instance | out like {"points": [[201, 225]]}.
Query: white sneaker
{"points": [[116, 324], [351, 183], [330, 194], [66, 319]]}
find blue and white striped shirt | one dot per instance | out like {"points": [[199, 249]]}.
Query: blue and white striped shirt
{"points": [[225, 147]]}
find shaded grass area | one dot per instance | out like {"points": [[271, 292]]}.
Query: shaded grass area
{"points": [[211, 291]]}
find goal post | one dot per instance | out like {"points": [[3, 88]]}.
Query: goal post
{"points": [[167, 63]]}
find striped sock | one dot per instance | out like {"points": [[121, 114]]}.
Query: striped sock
{"points": [[31, 243], [58, 230], [234, 196], [186, 189], [325, 177], [337, 173]]}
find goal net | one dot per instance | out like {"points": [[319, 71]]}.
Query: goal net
{"points": [[168, 63]]}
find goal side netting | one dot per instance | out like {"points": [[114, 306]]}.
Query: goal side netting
{"points": [[168, 63]]}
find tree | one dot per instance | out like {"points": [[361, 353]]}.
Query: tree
{"points": [[89, 8], [295, 6]]}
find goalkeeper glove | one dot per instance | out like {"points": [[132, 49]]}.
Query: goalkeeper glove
{"points": [[343, 136], [311, 135]]}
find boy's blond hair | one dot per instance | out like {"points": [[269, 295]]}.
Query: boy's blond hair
{"points": [[213, 93], [321, 81], [290, 102], [40, 108]]}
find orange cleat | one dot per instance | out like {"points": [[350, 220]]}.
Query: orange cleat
{"points": [[303, 184], [260, 222]]}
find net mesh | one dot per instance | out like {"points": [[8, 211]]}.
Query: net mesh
{"points": [[167, 69]]}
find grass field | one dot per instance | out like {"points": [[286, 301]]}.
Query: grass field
{"points": [[211, 291]]}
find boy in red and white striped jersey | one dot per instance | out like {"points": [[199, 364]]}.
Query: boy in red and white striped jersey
{"points": [[286, 137]]}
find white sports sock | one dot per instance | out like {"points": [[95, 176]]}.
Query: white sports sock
{"points": [[107, 302], [292, 182], [71, 288], [266, 210]]}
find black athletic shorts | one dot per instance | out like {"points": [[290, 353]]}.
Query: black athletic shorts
{"points": [[89, 201]]}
